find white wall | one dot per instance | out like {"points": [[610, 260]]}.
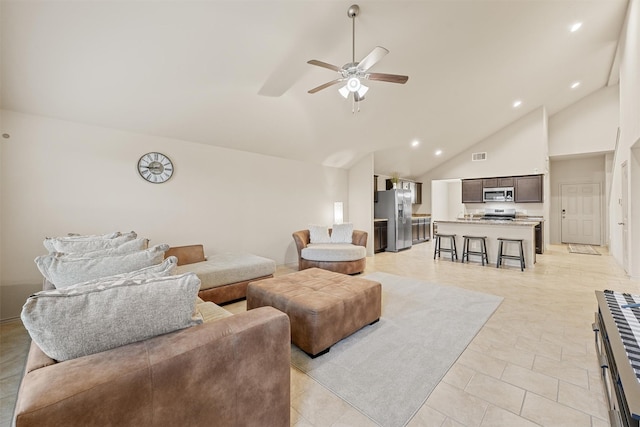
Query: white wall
{"points": [[518, 149], [588, 126], [59, 177], [361, 198], [439, 200], [629, 136]]}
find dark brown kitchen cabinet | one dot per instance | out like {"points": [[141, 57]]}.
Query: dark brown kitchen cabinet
{"points": [[415, 187], [379, 236], [498, 182], [528, 189], [416, 194], [539, 236], [472, 190], [420, 229], [375, 188]]}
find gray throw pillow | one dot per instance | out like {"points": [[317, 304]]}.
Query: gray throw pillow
{"points": [[70, 323], [73, 244], [126, 247], [63, 271], [48, 241], [168, 267]]}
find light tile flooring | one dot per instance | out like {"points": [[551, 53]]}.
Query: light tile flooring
{"points": [[533, 363]]}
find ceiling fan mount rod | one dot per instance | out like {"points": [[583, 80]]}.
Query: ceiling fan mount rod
{"points": [[352, 12]]}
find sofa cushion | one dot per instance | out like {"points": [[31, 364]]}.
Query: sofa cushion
{"points": [[333, 252], [319, 234], [210, 312], [164, 269], [342, 233], [63, 271], [226, 268], [123, 248], [72, 244], [69, 323]]}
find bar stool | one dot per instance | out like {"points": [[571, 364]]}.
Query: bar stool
{"points": [[451, 249], [483, 248], [501, 255]]}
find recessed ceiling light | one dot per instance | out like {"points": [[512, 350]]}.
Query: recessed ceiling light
{"points": [[575, 27], [575, 85], [438, 152], [517, 103], [415, 143]]}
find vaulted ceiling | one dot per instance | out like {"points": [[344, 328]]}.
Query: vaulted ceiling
{"points": [[234, 73]]}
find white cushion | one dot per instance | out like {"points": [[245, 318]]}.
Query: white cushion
{"points": [[319, 234], [63, 271], [342, 233], [73, 244], [70, 323], [226, 268], [334, 252]]}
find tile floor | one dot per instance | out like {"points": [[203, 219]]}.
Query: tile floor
{"points": [[533, 363]]}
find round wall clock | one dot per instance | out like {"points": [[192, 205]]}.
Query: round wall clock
{"points": [[155, 168]]}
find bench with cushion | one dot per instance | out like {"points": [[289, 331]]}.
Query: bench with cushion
{"points": [[224, 277]]}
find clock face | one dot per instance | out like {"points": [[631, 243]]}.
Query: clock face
{"points": [[155, 167]]}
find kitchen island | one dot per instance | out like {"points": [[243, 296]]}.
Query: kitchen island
{"points": [[493, 229]]}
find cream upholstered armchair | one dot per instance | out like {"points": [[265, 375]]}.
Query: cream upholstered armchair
{"points": [[346, 258]]}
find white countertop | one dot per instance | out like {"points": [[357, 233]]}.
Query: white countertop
{"points": [[516, 223]]}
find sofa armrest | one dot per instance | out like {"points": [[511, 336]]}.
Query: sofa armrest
{"points": [[235, 371], [359, 238], [187, 254], [302, 239]]}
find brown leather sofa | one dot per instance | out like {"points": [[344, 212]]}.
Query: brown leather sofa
{"points": [[302, 239], [234, 371]]}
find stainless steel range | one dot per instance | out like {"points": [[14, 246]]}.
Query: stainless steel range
{"points": [[508, 214]]}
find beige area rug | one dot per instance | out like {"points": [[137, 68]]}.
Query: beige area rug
{"points": [[582, 249], [387, 370]]}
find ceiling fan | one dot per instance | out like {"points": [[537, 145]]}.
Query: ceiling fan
{"points": [[354, 72]]}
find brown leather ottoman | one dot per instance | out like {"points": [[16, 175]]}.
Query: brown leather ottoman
{"points": [[323, 307]]}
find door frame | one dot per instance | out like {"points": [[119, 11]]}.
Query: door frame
{"points": [[624, 220]]}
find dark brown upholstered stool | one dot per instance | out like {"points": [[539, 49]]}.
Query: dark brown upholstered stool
{"points": [[482, 252], [501, 254], [451, 249], [323, 307]]}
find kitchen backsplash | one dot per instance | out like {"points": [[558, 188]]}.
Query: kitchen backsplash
{"points": [[522, 209]]}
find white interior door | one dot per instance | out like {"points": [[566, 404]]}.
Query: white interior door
{"points": [[581, 214], [624, 217]]}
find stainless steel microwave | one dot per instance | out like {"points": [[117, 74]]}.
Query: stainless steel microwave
{"points": [[501, 194]]}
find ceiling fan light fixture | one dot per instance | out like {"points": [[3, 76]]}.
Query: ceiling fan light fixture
{"points": [[353, 84], [344, 91], [363, 89]]}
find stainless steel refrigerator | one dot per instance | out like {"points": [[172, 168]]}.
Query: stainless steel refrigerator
{"points": [[395, 206]]}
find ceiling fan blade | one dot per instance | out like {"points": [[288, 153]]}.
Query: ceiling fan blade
{"points": [[326, 85], [392, 78], [374, 56], [324, 65]]}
